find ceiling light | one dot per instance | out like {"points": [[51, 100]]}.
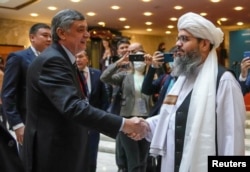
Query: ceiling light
{"points": [[75, 0], [239, 23], [170, 26], [127, 27], [173, 19], [148, 23], [122, 19], [218, 22], [223, 19], [238, 8], [91, 13], [52, 8], [115, 7], [203, 14], [147, 13], [146, 0], [215, 1], [102, 24], [168, 32], [178, 7], [33, 14], [149, 29]]}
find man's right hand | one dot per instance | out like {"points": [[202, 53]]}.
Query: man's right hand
{"points": [[19, 135], [136, 128]]}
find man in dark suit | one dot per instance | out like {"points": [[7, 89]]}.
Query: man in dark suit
{"points": [[59, 114], [10, 161], [14, 82], [97, 97]]}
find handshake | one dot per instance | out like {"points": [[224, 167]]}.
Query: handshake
{"points": [[136, 128]]}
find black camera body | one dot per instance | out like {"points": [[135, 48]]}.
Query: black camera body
{"points": [[136, 57]]}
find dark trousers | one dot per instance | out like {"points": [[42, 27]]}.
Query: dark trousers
{"points": [[154, 164], [120, 156], [4, 119], [93, 142], [136, 153]]}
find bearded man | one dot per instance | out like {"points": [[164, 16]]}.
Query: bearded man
{"points": [[204, 113]]}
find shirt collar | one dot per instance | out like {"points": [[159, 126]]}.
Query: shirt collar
{"points": [[86, 69], [37, 53], [70, 55]]}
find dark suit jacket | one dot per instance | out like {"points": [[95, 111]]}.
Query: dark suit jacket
{"points": [[245, 85], [10, 161], [14, 85], [58, 116], [98, 97], [150, 87]]}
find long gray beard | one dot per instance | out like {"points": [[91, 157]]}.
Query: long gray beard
{"points": [[186, 64]]}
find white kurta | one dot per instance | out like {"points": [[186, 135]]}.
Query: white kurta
{"points": [[230, 120]]}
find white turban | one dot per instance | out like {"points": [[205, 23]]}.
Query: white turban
{"points": [[200, 27]]}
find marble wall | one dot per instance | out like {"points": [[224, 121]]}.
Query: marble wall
{"points": [[15, 32]]}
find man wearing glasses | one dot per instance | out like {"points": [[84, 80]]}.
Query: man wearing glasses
{"points": [[204, 113]]}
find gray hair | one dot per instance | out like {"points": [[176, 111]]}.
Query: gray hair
{"points": [[63, 19]]}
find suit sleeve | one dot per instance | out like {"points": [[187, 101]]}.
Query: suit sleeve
{"points": [[150, 86], [10, 88], [58, 82]]}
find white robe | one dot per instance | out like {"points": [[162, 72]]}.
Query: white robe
{"points": [[231, 116]]}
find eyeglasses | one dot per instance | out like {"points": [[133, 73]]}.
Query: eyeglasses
{"points": [[184, 38]]}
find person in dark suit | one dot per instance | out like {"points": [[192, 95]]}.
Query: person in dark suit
{"points": [[59, 114], [10, 161], [97, 98], [14, 82]]}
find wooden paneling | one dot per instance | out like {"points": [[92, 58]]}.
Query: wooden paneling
{"points": [[6, 49]]}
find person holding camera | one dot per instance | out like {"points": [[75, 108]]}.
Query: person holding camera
{"points": [[244, 78], [134, 103]]}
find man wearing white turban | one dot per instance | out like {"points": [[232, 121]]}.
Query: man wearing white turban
{"points": [[204, 112]]}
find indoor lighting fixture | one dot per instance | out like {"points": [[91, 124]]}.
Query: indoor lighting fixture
{"points": [[102, 24], [127, 27], [170, 26], [148, 23], [168, 32], [75, 0], [223, 19], [203, 14], [52, 8], [91, 13], [147, 14], [149, 29], [33, 14], [115, 7], [215, 1], [173, 19], [122, 19], [178, 7], [240, 23], [238, 8]]}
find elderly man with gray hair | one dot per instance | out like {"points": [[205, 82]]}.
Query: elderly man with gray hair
{"points": [[204, 113]]}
